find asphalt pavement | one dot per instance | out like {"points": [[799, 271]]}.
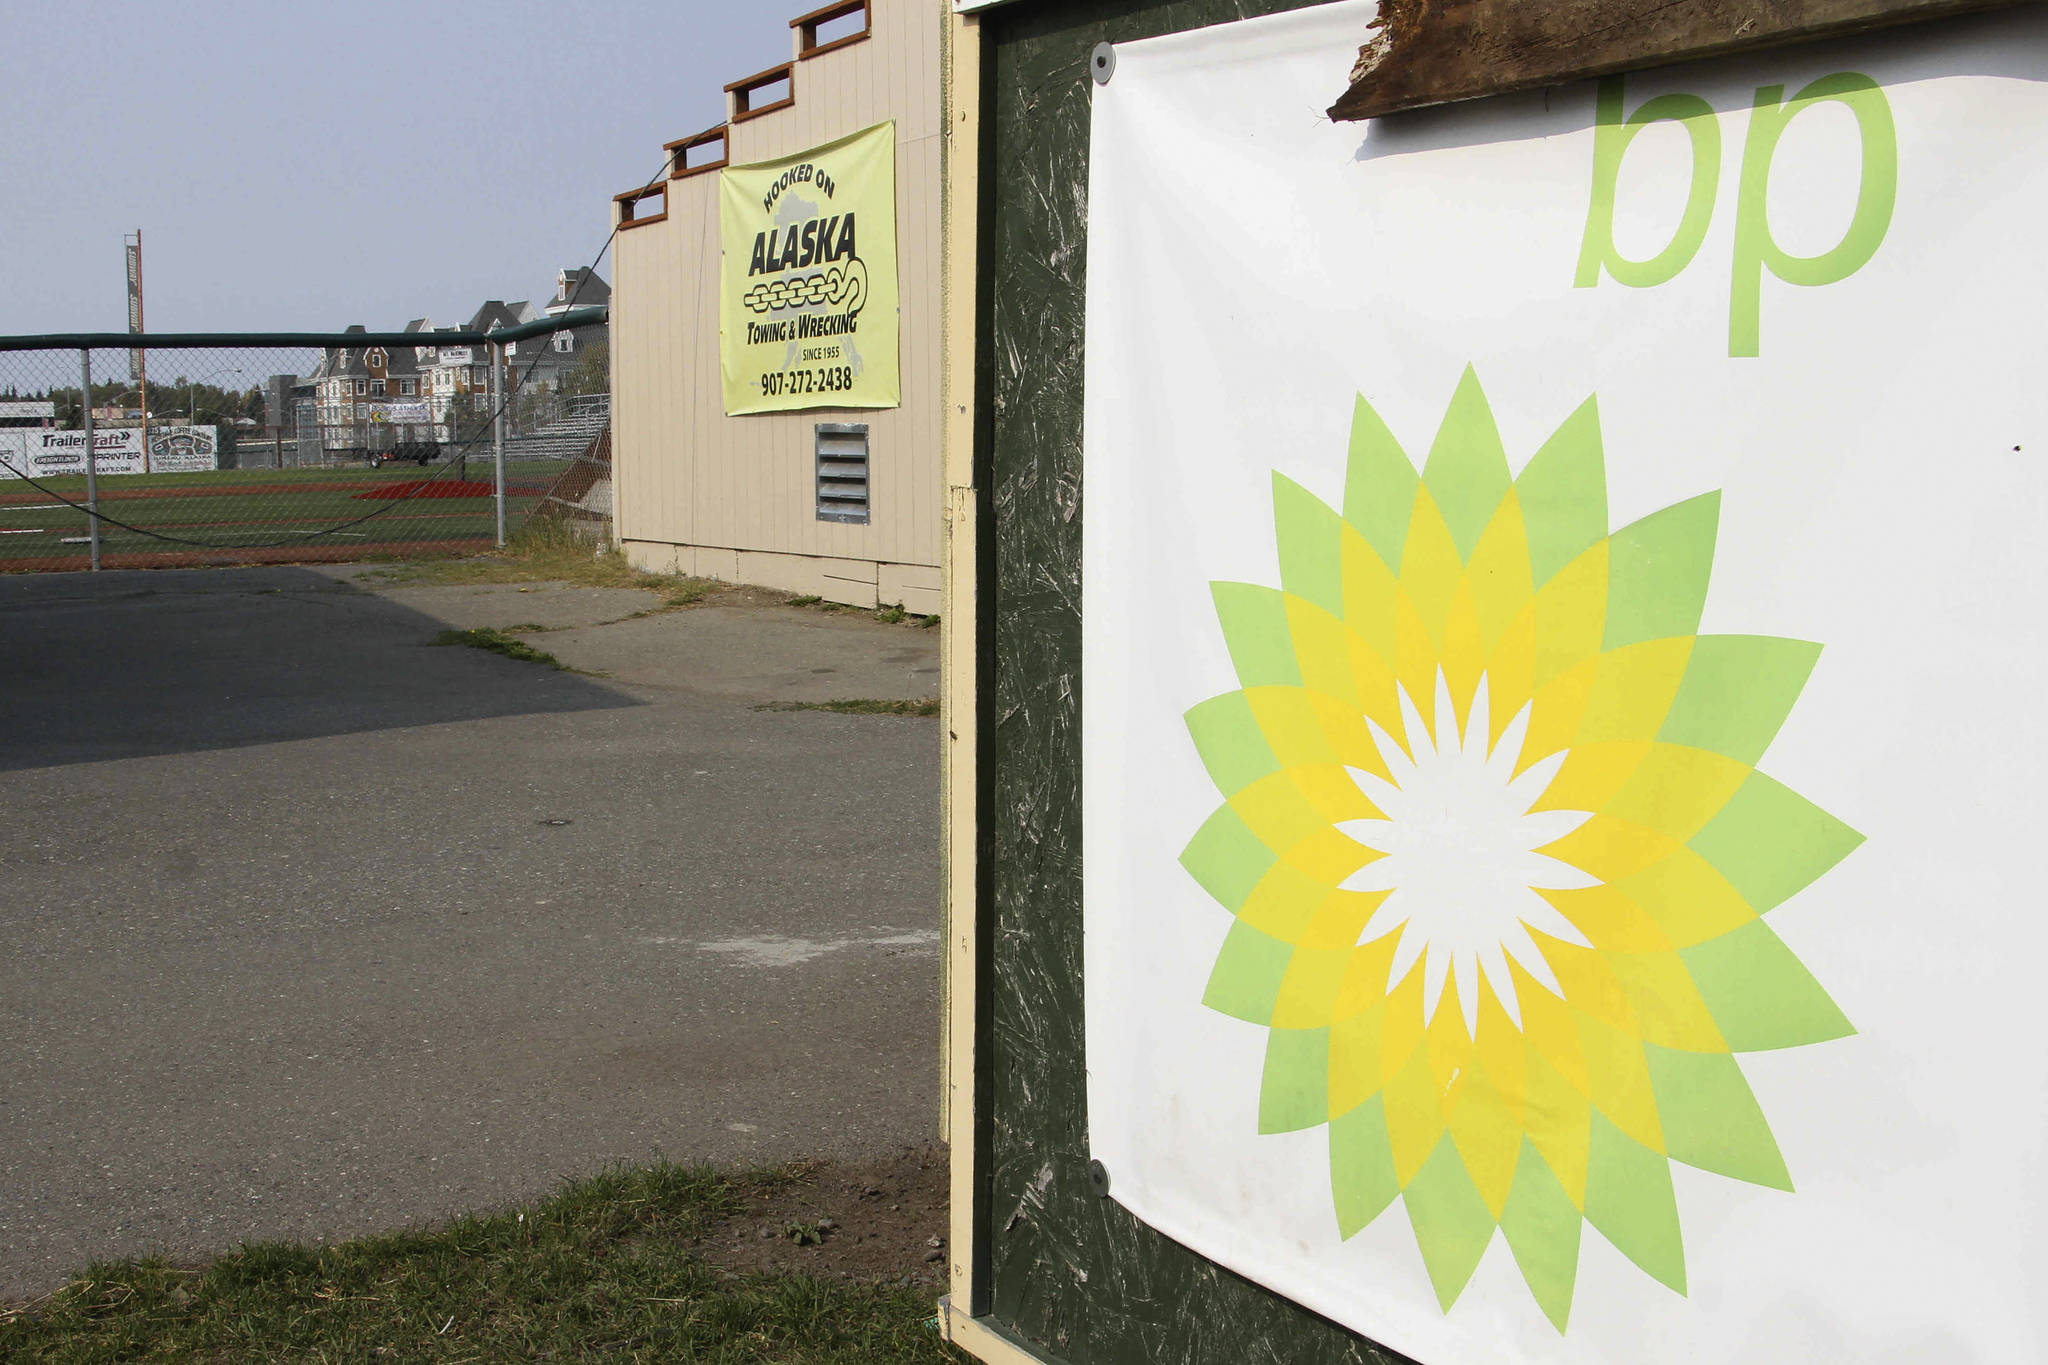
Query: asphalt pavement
{"points": [[309, 927]]}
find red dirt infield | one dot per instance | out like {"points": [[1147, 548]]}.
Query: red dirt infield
{"points": [[118, 494], [192, 559], [444, 488]]}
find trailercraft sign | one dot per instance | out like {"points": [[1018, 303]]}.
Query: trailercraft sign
{"points": [[807, 279], [1561, 767], [42, 453]]}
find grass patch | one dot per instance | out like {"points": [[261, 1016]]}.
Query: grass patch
{"points": [[550, 551], [865, 706], [501, 642], [602, 1270]]}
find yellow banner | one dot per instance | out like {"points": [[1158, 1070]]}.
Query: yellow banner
{"points": [[807, 313]]}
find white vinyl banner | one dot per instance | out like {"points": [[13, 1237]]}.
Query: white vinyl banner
{"points": [[46, 453], [183, 449], [41, 453], [1563, 578]]}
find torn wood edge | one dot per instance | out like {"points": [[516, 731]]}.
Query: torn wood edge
{"points": [[1422, 53]]}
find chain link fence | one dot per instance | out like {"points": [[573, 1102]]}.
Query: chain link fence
{"points": [[300, 448]]}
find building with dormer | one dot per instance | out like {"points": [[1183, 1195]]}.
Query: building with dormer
{"points": [[367, 399]]}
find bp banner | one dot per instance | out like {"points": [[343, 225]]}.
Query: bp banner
{"points": [[807, 312], [1561, 758]]}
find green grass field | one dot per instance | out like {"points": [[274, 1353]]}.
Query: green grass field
{"points": [[264, 514]]}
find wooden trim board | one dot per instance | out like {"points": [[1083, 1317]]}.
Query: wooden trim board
{"points": [[959, 622]]}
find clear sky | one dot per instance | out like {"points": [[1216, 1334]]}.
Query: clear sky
{"points": [[300, 166]]}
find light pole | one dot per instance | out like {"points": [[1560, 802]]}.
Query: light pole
{"points": [[192, 392]]}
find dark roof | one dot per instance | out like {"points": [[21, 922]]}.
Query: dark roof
{"points": [[579, 287], [497, 313], [341, 362], [586, 287]]}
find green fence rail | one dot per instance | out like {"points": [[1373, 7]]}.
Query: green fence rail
{"points": [[186, 341]]}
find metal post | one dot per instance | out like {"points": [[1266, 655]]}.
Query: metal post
{"points": [[138, 325], [498, 431], [92, 462]]}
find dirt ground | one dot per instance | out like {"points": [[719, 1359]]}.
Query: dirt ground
{"points": [[873, 1220]]}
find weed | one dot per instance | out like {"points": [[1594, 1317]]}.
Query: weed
{"points": [[865, 706], [689, 592], [888, 614], [500, 642]]}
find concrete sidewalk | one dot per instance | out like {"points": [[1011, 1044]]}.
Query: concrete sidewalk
{"points": [[313, 928], [754, 649]]}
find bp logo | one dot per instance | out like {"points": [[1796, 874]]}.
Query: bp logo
{"points": [[1499, 854]]}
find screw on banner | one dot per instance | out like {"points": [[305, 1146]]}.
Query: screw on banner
{"points": [[1098, 1174], [1103, 63]]}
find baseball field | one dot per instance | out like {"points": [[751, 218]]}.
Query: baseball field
{"points": [[245, 516]]}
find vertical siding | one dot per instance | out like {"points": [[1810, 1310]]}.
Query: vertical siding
{"points": [[689, 475]]}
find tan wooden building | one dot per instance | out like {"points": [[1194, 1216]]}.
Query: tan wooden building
{"points": [[790, 500]]}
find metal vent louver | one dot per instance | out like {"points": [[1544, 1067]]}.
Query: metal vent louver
{"points": [[842, 472]]}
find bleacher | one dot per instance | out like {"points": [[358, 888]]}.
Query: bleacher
{"points": [[564, 439]]}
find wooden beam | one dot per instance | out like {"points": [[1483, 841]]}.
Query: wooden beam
{"points": [[1426, 52]]}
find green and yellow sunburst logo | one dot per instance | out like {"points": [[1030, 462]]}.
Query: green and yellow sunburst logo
{"points": [[1499, 854]]}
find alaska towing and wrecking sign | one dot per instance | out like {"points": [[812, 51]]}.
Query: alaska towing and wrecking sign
{"points": [[807, 279]]}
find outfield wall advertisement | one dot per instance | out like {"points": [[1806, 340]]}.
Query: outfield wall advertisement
{"points": [[183, 450], [1560, 764], [807, 309], [40, 453]]}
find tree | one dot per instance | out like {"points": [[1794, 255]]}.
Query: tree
{"points": [[592, 372], [468, 417], [532, 407]]}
